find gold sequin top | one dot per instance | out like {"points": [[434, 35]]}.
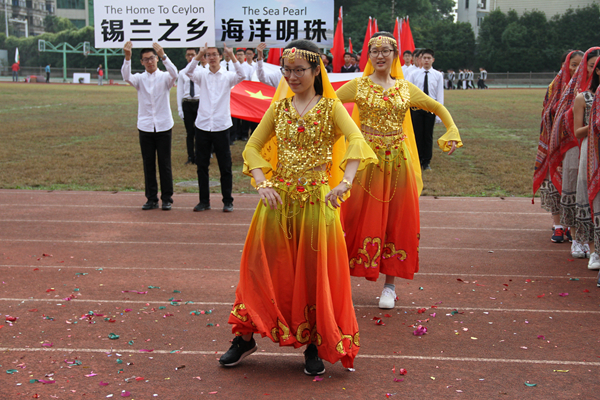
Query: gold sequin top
{"points": [[383, 111], [305, 143]]}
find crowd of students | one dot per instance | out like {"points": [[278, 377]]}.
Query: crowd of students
{"points": [[567, 165]]}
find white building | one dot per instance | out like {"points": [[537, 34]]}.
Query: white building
{"points": [[80, 12], [32, 11], [474, 11]]}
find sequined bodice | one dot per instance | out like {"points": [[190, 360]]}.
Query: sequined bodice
{"points": [[303, 143], [382, 110]]}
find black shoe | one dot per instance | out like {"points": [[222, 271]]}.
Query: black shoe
{"points": [[426, 167], [189, 162], [150, 205], [166, 205], [313, 365], [202, 207], [239, 350], [568, 235], [228, 207]]}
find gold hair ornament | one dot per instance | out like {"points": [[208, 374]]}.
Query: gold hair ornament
{"points": [[292, 53], [381, 40]]}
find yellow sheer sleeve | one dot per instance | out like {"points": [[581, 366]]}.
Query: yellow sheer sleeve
{"points": [[420, 100], [261, 136], [357, 148], [347, 92]]}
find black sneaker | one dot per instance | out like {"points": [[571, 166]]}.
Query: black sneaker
{"points": [[313, 365], [166, 206], [568, 235], [228, 207], [202, 207], [150, 205], [239, 350]]}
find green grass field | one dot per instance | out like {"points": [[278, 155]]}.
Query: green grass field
{"points": [[61, 137]]}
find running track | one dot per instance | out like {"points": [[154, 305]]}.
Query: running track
{"points": [[487, 266]]}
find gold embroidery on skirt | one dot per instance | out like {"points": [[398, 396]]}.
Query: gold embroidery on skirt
{"points": [[236, 314], [369, 262], [389, 251], [275, 332], [305, 326], [340, 346], [357, 339]]}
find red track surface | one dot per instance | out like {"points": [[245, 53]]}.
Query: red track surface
{"points": [[489, 259]]}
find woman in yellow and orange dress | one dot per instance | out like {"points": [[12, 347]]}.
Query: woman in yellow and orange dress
{"points": [[294, 281], [381, 217]]}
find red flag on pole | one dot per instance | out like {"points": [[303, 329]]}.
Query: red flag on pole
{"points": [[337, 51], [407, 39], [350, 49], [364, 56], [274, 56], [375, 27], [396, 34]]}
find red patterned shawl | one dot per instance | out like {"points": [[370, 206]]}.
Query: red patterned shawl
{"points": [[562, 137], [593, 161], [553, 95]]}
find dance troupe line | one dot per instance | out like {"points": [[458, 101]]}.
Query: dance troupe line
{"points": [[339, 194], [567, 165]]}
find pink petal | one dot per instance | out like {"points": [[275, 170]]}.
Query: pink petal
{"points": [[541, 337], [563, 294], [146, 350], [45, 381], [103, 383], [403, 371], [317, 379], [125, 393], [398, 380]]}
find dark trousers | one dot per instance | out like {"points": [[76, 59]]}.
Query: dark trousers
{"points": [[47, 77], [423, 123], [481, 84], [206, 140], [15, 76], [190, 112], [155, 144]]}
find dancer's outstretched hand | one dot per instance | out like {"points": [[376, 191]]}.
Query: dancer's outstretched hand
{"points": [[336, 196], [453, 143]]}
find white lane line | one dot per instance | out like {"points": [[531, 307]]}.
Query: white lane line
{"points": [[229, 304], [261, 354], [23, 205], [58, 221], [202, 269], [530, 250]]}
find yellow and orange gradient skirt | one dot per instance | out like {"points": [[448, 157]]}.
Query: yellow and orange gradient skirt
{"points": [[294, 281], [381, 217]]}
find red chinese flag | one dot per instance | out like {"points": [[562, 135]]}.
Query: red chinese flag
{"points": [[364, 57], [350, 49], [407, 39], [397, 37], [274, 56], [337, 51], [375, 27]]}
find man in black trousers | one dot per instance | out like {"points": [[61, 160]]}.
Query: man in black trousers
{"points": [[188, 99], [155, 121], [214, 121]]}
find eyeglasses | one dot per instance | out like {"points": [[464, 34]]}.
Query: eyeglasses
{"points": [[212, 55], [384, 52], [298, 72], [147, 59]]}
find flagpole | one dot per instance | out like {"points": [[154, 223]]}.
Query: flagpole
{"points": [[6, 16]]}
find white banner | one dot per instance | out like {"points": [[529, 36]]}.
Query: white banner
{"points": [[241, 23], [180, 23]]}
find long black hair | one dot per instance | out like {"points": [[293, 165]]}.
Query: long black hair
{"points": [[303, 44]]}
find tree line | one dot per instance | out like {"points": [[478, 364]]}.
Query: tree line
{"points": [[506, 42]]}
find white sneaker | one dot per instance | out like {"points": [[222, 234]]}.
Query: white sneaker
{"points": [[577, 250], [594, 261], [586, 248], [387, 299]]}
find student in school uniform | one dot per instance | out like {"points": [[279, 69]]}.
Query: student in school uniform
{"points": [[214, 120], [155, 120], [188, 100], [266, 76], [431, 82]]}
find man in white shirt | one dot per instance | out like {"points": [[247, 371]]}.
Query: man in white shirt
{"points": [[249, 65], [482, 78], [431, 82], [407, 56], [266, 76], [226, 63], [450, 79], [214, 120], [188, 99], [155, 120], [417, 55]]}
